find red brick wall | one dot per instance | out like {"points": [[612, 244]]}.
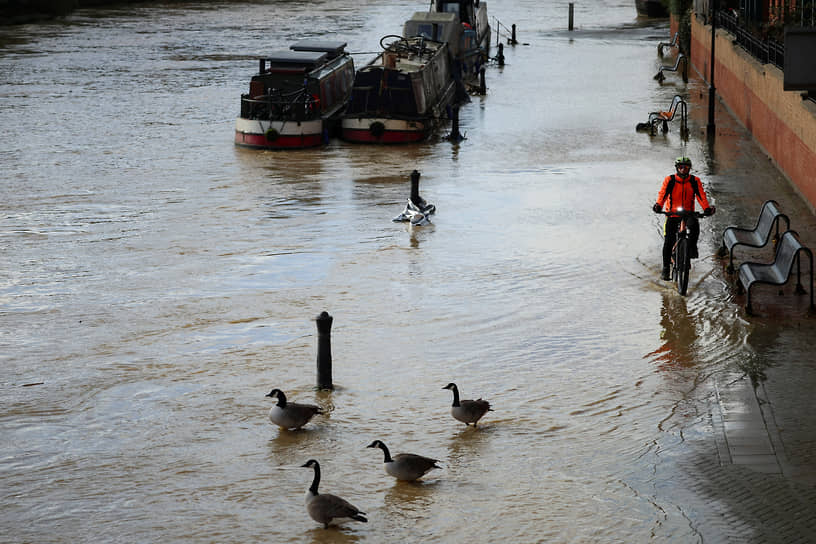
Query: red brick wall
{"points": [[780, 121]]}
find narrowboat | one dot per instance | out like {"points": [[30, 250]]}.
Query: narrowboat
{"points": [[467, 57], [401, 95], [296, 98], [651, 8], [471, 13]]}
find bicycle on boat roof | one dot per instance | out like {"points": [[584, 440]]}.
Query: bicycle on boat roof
{"points": [[681, 258]]}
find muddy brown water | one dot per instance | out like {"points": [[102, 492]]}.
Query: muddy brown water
{"points": [[157, 282]]}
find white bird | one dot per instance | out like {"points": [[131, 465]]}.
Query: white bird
{"points": [[325, 507], [405, 466], [467, 411], [291, 415]]}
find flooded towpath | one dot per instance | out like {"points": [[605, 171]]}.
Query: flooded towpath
{"points": [[156, 282]]}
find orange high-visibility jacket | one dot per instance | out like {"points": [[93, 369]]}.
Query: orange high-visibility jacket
{"points": [[682, 194]]}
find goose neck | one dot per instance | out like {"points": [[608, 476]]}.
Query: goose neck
{"points": [[455, 396], [386, 453], [316, 480]]}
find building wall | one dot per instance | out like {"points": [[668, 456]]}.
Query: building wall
{"points": [[780, 121]]}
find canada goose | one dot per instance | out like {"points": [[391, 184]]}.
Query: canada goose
{"points": [[467, 411], [405, 466], [323, 508], [290, 415]]}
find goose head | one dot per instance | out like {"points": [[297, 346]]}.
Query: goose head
{"points": [[383, 447], [277, 393]]}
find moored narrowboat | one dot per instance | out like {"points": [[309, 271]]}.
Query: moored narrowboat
{"points": [[473, 14], [401, 95], [467, 57], [296, 98]]}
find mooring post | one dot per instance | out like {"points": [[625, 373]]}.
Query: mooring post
{"points": [[415, 188], [500, 56], [454, 135], [324, 358], [482, 86], [513, 34], [571, 11]]}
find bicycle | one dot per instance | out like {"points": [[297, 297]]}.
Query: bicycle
{"points": [[680, 260]]}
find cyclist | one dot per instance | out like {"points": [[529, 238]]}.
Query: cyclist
{"points": [[679, 191]]}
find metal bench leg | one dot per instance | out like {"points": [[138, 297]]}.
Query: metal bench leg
{"points": [[748, 309], [799, 289]]}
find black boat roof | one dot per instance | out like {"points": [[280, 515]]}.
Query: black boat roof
{"points": [[324, 46], [297, 59]]}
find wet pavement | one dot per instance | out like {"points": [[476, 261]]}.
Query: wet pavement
{"points": [[762, 413]]}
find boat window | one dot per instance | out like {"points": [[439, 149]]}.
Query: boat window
{"points": [[451, 8], [326, 91], [428, 30]]}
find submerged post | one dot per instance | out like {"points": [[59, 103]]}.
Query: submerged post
{"points": [[571, 11], [324, 358], [482, 86], [513, 34], [455, 136], [415, 188], [500, 56]]}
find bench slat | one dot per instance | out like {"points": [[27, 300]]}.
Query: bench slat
{"points": [[780, 270]]}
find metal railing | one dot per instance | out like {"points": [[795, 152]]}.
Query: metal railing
{"points": [[766, 50]]}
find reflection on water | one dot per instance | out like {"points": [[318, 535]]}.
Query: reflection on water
{"points": [[158, 282]]}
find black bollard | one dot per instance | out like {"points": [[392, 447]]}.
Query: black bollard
{"points": [[500, 56], [513, 34], [454, 135], [571, 9], [415, 198], [324, 358], [482, 86]]}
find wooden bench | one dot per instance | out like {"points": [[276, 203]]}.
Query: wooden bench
{"points": [[769, 216], [670, 44], [788, 253]]}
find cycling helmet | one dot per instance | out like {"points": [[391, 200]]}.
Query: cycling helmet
{"points": [[682, 161]]}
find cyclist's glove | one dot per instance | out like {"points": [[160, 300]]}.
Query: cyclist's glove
{"points": [[657, 208], [710, 210]]}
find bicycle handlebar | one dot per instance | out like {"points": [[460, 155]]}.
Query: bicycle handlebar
{"points": [[683, 213]]}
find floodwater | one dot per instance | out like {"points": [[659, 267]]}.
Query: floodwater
{"points": [[156, 282]]}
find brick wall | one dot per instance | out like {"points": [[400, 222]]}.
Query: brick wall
{"points": [[780, 121]]}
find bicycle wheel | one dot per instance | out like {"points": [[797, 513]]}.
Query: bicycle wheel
{"points": [[683, 265]]}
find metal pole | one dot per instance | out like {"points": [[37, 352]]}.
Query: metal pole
{"points": [[482, 86], [415, 185], [324, 358], [455, 136], [711, 128], [571, 9]]}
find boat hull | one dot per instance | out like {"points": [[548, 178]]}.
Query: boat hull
{"points": [[259, 134], [651, 8], [373, 130]]}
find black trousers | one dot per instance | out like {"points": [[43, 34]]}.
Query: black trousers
{"points": [[672, 224]]}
